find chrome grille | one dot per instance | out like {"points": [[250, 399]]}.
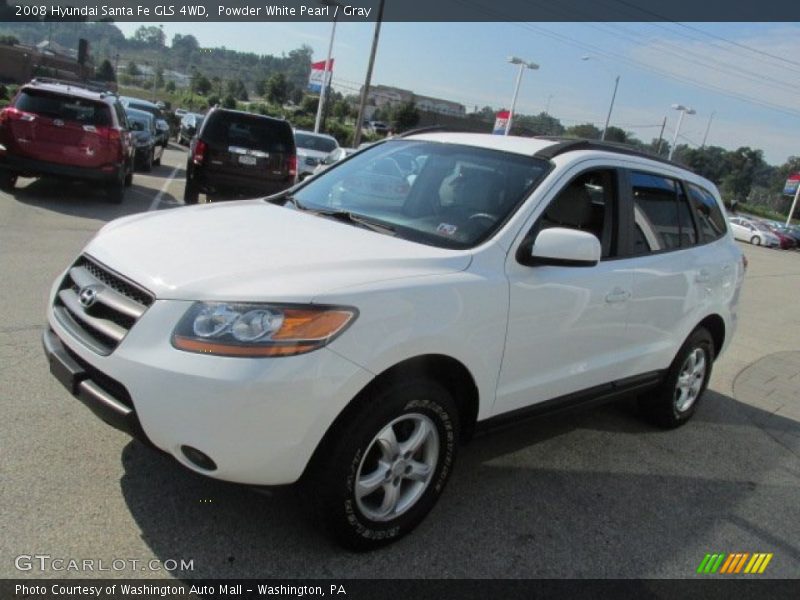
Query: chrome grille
{"points": [[110, 306]]}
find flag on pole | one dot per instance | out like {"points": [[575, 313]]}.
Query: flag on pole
{"points": [[319, 76], [501, 122], [791, 184]]}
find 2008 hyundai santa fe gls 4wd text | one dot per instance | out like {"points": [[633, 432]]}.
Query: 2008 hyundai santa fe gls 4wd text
{"points": [[349, 332]]}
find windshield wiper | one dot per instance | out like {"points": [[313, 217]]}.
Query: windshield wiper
{"points": [[356, 219], [282, 199]]}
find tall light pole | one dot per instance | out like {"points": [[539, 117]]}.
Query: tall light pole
{"points": [[611, 106], [327, 74], [365, 92], [522, 66], [684, 110]]}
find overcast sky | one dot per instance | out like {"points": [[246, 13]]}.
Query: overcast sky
{"points": [[747, 74]]}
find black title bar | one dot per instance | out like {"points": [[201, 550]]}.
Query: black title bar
{"points": [[402, 10]]}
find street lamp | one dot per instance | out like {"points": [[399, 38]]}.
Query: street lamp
{"points": [[613, 97], [522, 66], [685, 110]]}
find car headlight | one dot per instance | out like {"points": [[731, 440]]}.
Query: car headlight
{"points": [[257, 330]]}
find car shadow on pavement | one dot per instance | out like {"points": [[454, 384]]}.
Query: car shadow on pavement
{"points": [[88, 201], [574, 495]]}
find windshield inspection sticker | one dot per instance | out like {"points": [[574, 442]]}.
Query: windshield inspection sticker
{"points": [[446, 229]]}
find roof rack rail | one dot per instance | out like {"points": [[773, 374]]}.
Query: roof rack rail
{"points": [[92, 86], [570, 145]]}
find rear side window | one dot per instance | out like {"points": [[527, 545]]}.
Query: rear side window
{"points": [[662, 216], [66, 108], [253, 132], [709, 216], [315, 142]]}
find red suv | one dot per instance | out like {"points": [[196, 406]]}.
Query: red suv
{"points": [[65, 129]]}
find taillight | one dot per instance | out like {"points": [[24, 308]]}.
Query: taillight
{"points": [[14, 114], [111, 134], [291, 163], [199, 152]]}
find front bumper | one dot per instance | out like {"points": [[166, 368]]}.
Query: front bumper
{"points": [[259, 420]]}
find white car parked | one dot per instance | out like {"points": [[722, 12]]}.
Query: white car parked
{"points": [[312, 149], [754, 232], [350, 345]]}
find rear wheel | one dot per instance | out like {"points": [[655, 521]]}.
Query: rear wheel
{"points": [[674, 402], [191, 195], [386, 467], [755, 240], [8, 179], [115, 192]]}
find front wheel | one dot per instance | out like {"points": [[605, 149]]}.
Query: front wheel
{"points": [[755, 240], [385, 468], [675, 400], [8, 180]]}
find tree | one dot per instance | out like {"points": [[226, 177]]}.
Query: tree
{"points": [[150, 36], [159, 80], [309, 105], [201, 84], [585, 131], [105, 72], [261, 88], [237, 90], [212, 100], [541, 124], [404, 116], [170, 87], [133, 70], [615, 134], [8, 40], [277, 89], [185, 44], [229, 102]]}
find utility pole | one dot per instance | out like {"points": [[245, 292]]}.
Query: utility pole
{"points": [[610, 108], [661, 136], [365, 92], [708, 128]]}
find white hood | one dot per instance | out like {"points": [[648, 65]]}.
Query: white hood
{"points": [[252, 250]]}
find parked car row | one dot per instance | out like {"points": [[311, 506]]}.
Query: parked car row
{"points": [[763, 232]]}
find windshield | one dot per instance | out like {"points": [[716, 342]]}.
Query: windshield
{"points": [[314, 142], [444, 195]]}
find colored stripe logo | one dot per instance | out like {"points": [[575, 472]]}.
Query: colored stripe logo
{"points": [[735, 563]]}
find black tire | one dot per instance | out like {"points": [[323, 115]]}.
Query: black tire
{"points": [[115, 192], [663, 406], [191, 195], [755, 240], [148, 163], [408, 408], [8, 179], [128, 182]]}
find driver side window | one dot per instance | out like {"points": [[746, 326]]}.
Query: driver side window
{"points": [[588, 203]]}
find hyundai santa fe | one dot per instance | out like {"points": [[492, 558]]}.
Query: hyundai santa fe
{"points": [[348, 333]]}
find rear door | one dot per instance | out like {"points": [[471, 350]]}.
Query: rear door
{"points": [[248, 147], [62, 129]]}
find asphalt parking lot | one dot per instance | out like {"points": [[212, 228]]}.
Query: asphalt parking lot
{"points": [[588, 494]]}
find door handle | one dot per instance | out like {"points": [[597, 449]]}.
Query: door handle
{"points": [[703, 276], [617, 295]]}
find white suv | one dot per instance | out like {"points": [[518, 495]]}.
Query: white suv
{"points": [[347, 334]]}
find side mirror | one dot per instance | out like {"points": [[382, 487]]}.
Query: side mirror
{"points": [[562, 247]]}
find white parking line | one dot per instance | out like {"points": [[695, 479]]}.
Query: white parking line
{"points": [[163, 190]]}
